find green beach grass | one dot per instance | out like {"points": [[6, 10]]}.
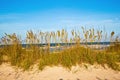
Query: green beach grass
{"points": [[75, 55]]}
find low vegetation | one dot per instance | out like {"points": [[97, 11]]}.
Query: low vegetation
{"points": [[37, 49]]}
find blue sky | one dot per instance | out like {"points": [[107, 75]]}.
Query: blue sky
{"points": [[49, 15]]}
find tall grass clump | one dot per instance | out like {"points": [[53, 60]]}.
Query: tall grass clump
{"points": [[1, 57], [11, 48]]}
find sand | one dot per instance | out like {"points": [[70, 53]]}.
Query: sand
{"points": [[91, 72]]}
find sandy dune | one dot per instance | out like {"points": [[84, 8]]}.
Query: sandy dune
{"points": [[95, 72]]}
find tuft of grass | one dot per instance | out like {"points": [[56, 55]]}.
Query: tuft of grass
{"points": [[113, 61], [1, 57], [49, 60], [101, 58]]}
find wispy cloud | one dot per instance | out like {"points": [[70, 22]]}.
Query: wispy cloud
{"points": [[20, 23]]}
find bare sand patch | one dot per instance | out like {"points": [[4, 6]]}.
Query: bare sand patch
{"points": [[92, 72]]}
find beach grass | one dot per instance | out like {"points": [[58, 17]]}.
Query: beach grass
{"points": [[13, 52]]}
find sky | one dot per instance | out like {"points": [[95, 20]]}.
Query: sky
{"points": [[19, 16]]}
